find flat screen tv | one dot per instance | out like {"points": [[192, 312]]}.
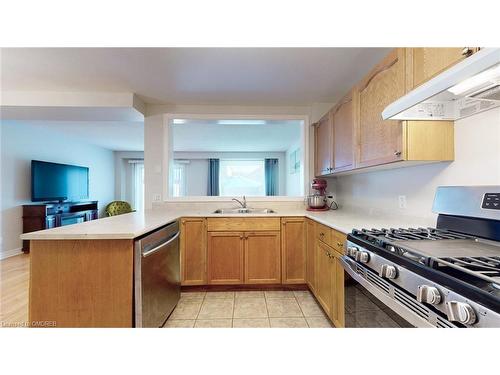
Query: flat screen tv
{"points": [[58, 182]]}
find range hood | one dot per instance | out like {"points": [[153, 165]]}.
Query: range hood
{"points": [[467, 88]]}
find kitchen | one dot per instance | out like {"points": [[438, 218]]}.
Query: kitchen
{"points": [[366, 202], [211, 246]]}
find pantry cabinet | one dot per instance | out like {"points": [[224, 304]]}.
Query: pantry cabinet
{"points": [[293, 245], [262, 257], [424, 63], [193, 249], [323, 138], [225, 258]]}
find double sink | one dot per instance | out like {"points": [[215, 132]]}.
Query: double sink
{"points": [[244, 211]]}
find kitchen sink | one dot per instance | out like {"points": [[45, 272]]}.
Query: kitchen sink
{"points": [[244, 211]]}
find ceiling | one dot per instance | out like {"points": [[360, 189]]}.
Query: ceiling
{"points": [[224, 76], [112, 135], [210, 136]]}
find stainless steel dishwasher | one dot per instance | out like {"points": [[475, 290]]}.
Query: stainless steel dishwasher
{"points": [[156, 275]]}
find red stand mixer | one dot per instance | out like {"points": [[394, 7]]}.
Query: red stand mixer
{"points": [[317, 201]]}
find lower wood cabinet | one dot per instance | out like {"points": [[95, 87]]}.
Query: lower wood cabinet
{"points": [[193, 247], [293, 245], [262, 257], [244, 257], [324, 285], [225, 258], [311, 254], [329, 288]]}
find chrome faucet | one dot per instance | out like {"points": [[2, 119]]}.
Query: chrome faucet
{"points": [[243, 204]]}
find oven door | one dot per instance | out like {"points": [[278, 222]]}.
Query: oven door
{"points": [[402, 303]]}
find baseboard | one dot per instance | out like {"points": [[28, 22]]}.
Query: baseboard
{"points": [[10, 253]]}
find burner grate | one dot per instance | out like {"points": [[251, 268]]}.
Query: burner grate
{"points": [[409, 234], [486, 268]]}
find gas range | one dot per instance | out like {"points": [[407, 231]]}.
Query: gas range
{"points": [[448, 276]]}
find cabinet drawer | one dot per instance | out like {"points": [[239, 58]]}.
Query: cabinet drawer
{"points": [[339, 239], [324, 234], [243, 224]]}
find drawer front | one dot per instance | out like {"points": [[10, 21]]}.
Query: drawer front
{"points": [[243, 224], [324, 234], [339, 239]]}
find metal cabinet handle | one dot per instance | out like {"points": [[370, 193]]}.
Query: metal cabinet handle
{"points": [[340, 244], [159, 247], [397, 153], [467, 51]]}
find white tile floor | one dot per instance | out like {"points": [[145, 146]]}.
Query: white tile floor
{"points": [[248, 309]]}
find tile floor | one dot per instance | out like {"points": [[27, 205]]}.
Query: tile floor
{"points": [[248, 309]]}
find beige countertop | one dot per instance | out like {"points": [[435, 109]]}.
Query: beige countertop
{"points": [[133, 225]]}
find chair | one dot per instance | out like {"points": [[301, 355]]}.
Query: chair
{"points": [[118, 208]]}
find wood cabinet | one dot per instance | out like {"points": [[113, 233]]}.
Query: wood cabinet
{"points": [[343, 132], [262, 257], [193, 248], [293, 245], [311, 254], [324, 281], [323, 138], [380, 141], [225, 258], [337, 314], [425, 63]]}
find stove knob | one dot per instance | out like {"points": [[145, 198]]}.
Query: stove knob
{"points": [[362, 256], [428, 294], [387, 271], [460, 312], [352, 250]]}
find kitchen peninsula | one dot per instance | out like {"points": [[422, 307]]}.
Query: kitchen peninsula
{"points": [[82, 275]]}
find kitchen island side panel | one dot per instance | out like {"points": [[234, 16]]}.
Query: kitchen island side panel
{"points": [[81, 283]]}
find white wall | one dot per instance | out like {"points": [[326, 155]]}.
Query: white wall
{"points": [[477, 162], [197, 170], [21, 144]]}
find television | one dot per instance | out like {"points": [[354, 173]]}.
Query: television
{"points": [[58, 182]]}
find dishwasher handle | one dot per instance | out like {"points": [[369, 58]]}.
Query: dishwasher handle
{"points": [[159, 247]]}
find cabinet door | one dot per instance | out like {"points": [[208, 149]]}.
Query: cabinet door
{"points": [[262, 258], [337, 311], [324, 283], [381, 142], [293, 244], [323, 146], [193, 246], [225, 257], [425, 63], [343, 126], [311, 255]]}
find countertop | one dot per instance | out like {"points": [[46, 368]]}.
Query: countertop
{"points": [[133, 225]]}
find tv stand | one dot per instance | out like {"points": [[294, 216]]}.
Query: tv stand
{"points": [[56, 214]]}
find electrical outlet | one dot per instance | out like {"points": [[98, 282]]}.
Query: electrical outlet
{"points": [[157, 197], [402, 201]]}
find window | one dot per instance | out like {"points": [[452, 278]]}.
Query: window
{"points": [[138, 168], [242, 177], [179, 179]]}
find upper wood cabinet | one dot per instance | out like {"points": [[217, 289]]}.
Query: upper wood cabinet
{"points": [[424, 63], [343, 116], [380, 141], [311, 254], [293, 245], [225, 258], [323, 138], [193, 248], [262, 257]]}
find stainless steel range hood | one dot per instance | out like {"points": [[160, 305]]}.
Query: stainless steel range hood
{"points": [[467, 88]]}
